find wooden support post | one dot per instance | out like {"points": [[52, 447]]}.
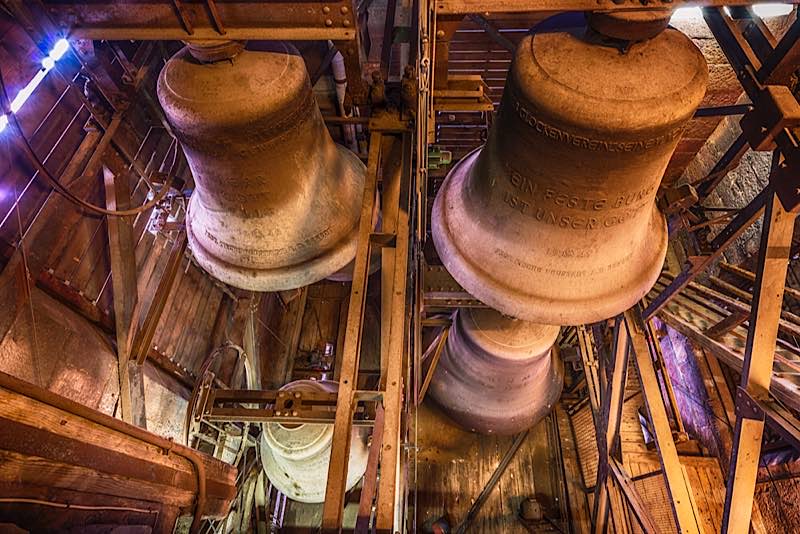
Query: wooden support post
{"points": [[611, 397], [678, 488], [370, 485], [437, 353], [590, 366], [665, 379], [333, 508], [121, 247], [446, 27], [386, 513], [389, 203], [773, 259]]}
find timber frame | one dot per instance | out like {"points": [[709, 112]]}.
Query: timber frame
{"points": [[761, 62], [408, 283]]}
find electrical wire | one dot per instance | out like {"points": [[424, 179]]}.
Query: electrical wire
{"points": [[24, 500], [55, 184]]}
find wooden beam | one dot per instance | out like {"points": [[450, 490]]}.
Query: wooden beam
{"points": [[389, 203], [441, 340], [49, 442], [370, 485], [611, 397], [666, 381], [737, 317], [333, 508], [121, 245], [773, 259], [686, 516], [386, 515], [590, 366]]}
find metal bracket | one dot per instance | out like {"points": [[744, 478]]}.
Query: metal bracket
{"points": [[747, 407], [775, 108]]}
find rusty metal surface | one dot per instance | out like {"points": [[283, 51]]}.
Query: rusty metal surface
{"points": [[276, 204], [449, 7], [554, 219], [497, 375], [172, 20]]}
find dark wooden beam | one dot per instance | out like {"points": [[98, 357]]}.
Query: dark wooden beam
{"points": [[611, 397], [121, 247]]}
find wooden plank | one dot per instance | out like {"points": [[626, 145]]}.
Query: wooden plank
{"points": [[773, 259], [143, 338], [123, 278], [637, 505]]}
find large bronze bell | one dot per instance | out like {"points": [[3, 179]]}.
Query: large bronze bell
{"points": [[497, 375], [277, 202], [554, 220]]}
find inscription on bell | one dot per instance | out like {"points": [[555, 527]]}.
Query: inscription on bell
{"points": [[587, 143]]}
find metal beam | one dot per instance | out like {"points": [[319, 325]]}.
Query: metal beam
{"points": [[773, 259], [475, 509], [697, 264], [167, 20], [450, 7]]}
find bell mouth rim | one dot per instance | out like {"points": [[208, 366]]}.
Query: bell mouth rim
{"points": [[499, 424], [278, 278], [468, 271]]}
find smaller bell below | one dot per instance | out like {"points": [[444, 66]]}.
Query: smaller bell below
{"points": [[497, 374], [296, 457]]}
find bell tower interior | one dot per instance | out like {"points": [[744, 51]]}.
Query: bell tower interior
{"points": [[394, 266]]}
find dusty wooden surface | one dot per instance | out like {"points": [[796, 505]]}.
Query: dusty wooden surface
{"points": [[455, 464]]}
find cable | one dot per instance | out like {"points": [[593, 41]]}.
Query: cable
{"points": [[23, 500], [55, 184]]}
